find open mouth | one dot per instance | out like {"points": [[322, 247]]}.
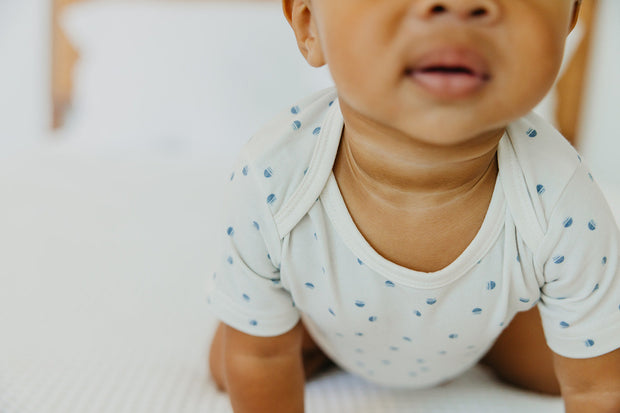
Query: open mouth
{"points": [[449, 73], [447, 70]]}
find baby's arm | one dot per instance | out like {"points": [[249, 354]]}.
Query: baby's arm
{"points": [[590, 385], [264, 374]]}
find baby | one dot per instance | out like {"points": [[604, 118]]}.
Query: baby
{"points": [[418, 218]]}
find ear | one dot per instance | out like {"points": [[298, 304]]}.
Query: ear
{"points": [[576, 8], [300, 17]]}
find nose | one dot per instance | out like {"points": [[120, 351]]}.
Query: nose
{"points": [[479, 11]]}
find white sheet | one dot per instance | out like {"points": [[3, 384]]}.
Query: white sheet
{"points": [[102, 267]]}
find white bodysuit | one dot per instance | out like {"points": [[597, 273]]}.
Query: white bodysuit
{"points": [[292, 250]]}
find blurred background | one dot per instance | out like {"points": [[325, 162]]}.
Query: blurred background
{"points": [[119, 120]]}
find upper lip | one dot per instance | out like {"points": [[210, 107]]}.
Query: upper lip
{"points": [[457, 59]]}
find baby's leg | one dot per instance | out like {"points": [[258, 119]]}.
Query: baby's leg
{"points": [[520, 355], [315, 361]]}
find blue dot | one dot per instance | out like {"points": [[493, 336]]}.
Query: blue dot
{"points": [[256, 225], [295, 110], [589, 342], [244, 171], [275, 281], [323, 269], [269, 257], [331, 312], [230, 260], [524, 300], [271, 199], [595, 287], [310, 286], [372, 319], [268, 172], [431, 301], [315, 237], [305, 171], [330, 103], [443, 352], [360, 262], [359, 303], [296, 125], [230, 231], [564, 324], [491, 285], [540, 189], [568, 222], [359, 334], [453, 336], [253, 322], [604, 260], [579, 157], [518, 258], [407, 339], [591, 177], [389, 284], [246, 297], [558, 259], [316, 131], [477, 310], [232, 176], [419, 314], [531, 133], [592, 225]]}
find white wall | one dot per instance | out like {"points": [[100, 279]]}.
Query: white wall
{"points": [[600, 128], [24, 51]]}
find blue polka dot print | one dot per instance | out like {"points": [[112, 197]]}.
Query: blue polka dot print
{"points": [[531, 133], [296, 125], [268, 172], [540, 189], [568, 222], [295, 110]]}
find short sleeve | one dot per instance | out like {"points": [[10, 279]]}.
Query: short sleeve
{"points": [[580, 298], [245, 291]]}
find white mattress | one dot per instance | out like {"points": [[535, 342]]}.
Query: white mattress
{"points": [[102, 267]]}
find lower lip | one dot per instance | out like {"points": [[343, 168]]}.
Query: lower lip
{"points": [[448, 85]]}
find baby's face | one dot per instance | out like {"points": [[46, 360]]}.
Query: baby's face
{"points": [[443, 71]]}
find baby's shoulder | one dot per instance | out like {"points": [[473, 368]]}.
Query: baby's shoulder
{"points": [[545, 161], [278, 156]]}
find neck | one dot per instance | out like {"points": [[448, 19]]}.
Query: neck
{"points": [[403, 171]]}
